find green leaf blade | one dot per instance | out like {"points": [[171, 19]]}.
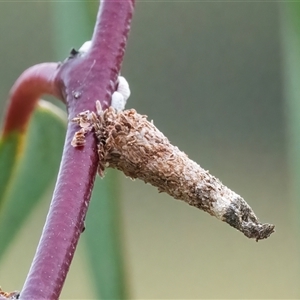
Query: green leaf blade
{"points": [[103, 239], [290, 35], [8, 156], [30, 169]]}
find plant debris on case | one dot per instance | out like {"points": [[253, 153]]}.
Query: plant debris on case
{"points": [[128, 142], [9, 295]]}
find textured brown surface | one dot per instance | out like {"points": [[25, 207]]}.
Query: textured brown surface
{"points": [[130, 143], [8, 295]]}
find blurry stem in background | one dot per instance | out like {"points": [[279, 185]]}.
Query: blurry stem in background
{"points": [[83, 80], [67, 32], [103, 240], [34, 82], [290, 33]]}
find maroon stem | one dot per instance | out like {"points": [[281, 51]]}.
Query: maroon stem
{"points": [[83, 80], [34, 82]]}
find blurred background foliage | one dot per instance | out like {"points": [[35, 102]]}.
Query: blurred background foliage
{"points": [[215, 78]]}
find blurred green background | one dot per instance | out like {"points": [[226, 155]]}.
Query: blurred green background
{"points": [[212, 77]]}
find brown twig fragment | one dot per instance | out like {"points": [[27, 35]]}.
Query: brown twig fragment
{"points": [[8, 295], [130, 143]]}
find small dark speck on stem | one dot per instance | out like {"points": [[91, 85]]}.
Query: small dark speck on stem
{"points": [[76, 94]]}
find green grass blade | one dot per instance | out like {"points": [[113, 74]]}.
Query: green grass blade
{"points": [[103, 238], [8, 157], [31, 169], [72, 26], [290, 30]]}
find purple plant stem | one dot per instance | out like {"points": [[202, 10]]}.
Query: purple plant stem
{"points": [[33, 82], [83, 80]]}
